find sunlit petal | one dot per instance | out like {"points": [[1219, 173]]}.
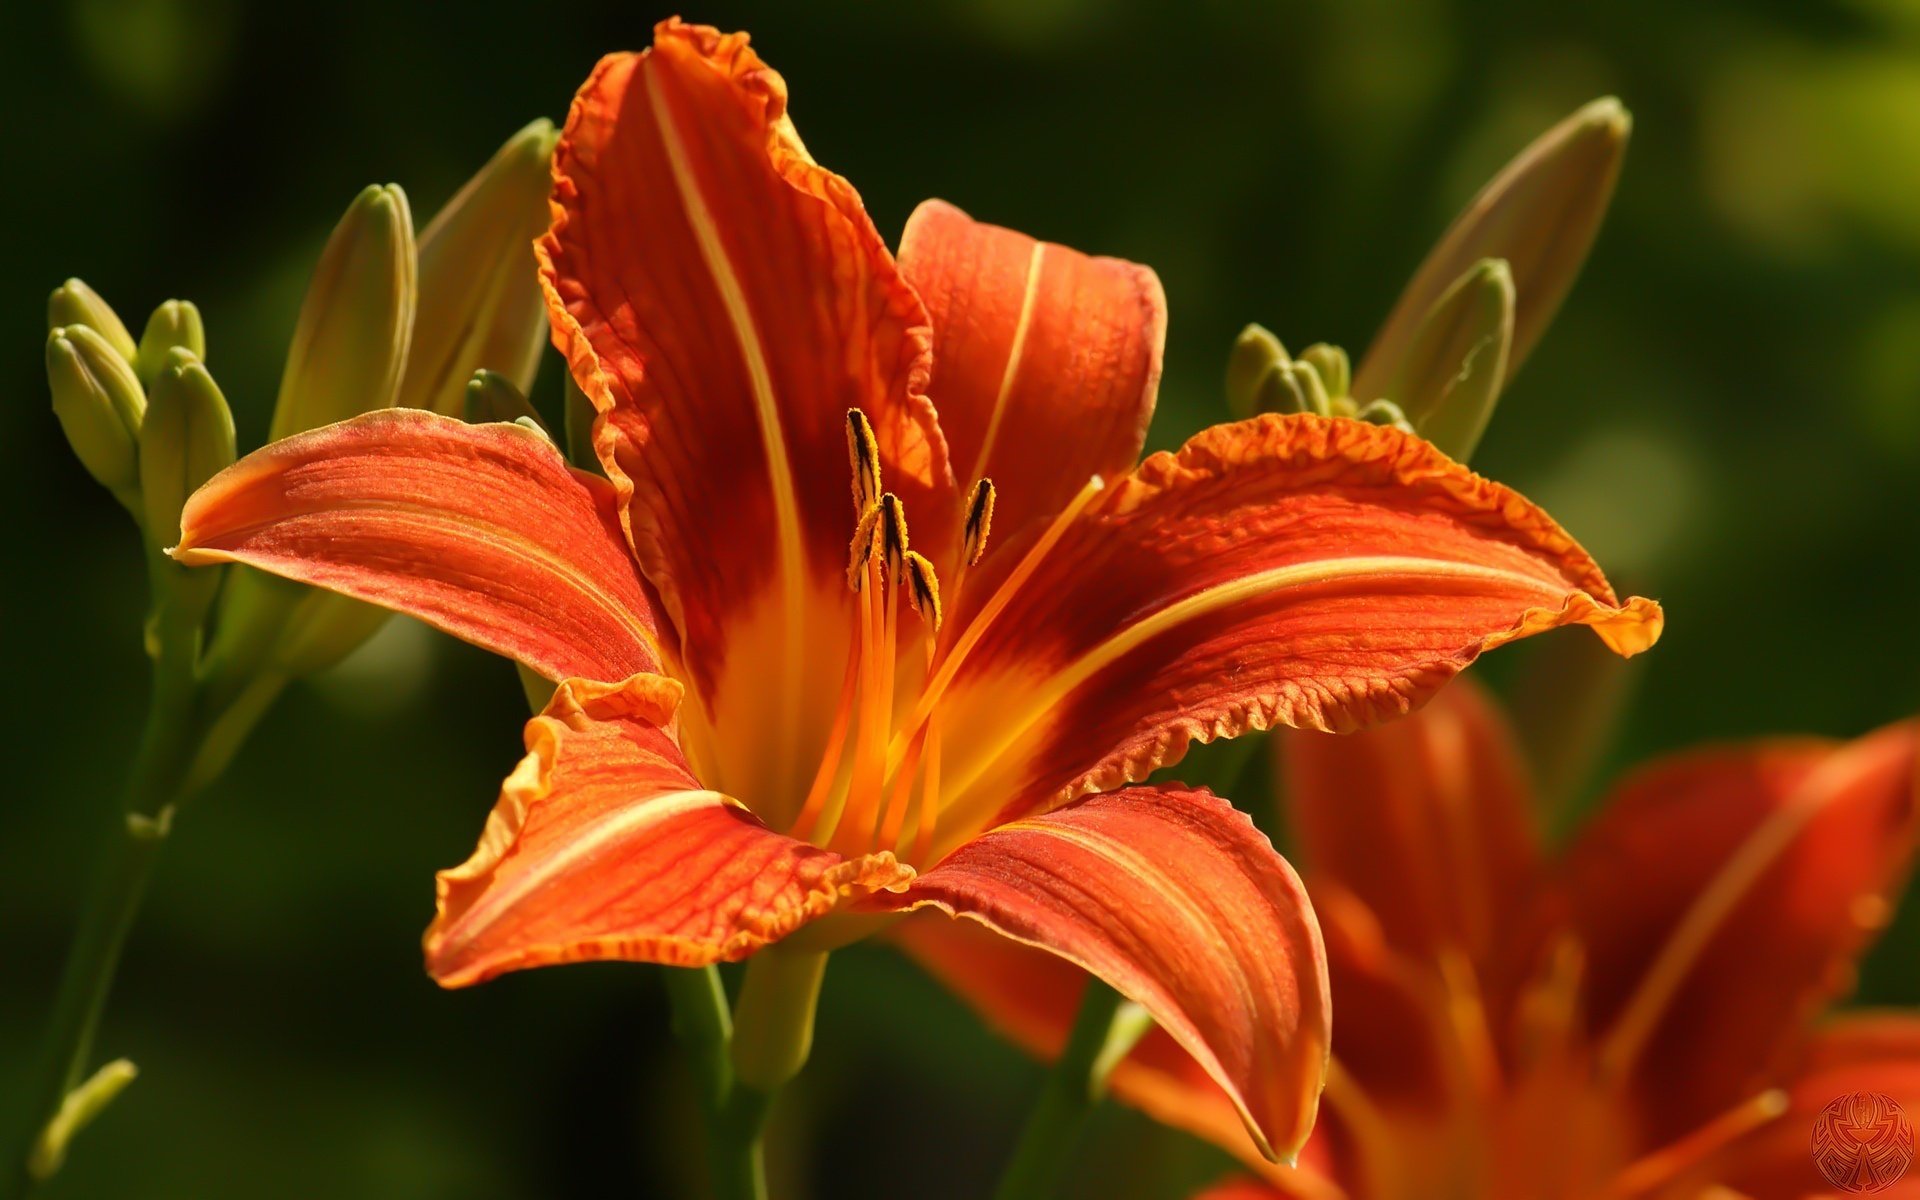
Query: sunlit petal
{"points": [[481, 530]]}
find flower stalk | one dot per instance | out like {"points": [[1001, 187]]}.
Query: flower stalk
{"points": [[1106, 1029], [159, 780], [741, 1059]]}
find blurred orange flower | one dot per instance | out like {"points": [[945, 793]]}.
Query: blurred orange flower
{"points": [[1634, 1017], [747, 738]]}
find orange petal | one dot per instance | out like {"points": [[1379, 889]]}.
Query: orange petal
{"points": [[1300, 571], [1173, 898], [1878, 1052], [1724, 896], [1429, 821], [480, 530], [604, 846], [723, 300], [1046, 361]]}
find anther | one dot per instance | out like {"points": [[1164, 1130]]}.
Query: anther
{"points": [[863, 455], [979, 519], [923, 589], [893, 534], [860, 550]]}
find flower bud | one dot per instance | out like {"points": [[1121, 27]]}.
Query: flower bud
{"points": [[1329, 362], [74, 303], [491, 396], [1256, 354], [480, 301], [1540, 214], [350, 345], [175, 323], [100, 407], [186, 440], [1451, 375]]}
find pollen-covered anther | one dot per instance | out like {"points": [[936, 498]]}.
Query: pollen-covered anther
{"points": [[860, 550], [923, 589], [893, 534], [863, 457], [979, 520]]}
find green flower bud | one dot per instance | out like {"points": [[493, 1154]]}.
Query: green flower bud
{"points": [[74, 303], [491, 396], [100, 406], [1256, 355], [1330, 363], [1452, 373], [1540, 214], [175, 323], [1306, 390], [480, 300], [350, 345], [186, 440]]}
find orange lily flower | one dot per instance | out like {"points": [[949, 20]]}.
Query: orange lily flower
{"points": [[1634, 1019], [751, 741]]}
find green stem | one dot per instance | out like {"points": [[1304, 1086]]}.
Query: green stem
{"points": [[704, 1028], [132, 847], [1075, 1084]]}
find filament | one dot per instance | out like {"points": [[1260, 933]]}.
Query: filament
{"points": [[977, 628]]}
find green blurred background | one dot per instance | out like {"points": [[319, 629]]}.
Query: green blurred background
{"points": [[1727, 412]]}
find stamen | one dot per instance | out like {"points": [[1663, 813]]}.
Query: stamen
{"points": [[929, 816], [831, 755], [893, 534], [860, 550], [995, 605], [979, 520], [1666, 1164], [1716, 902], [863, 455], [865, 727], [923, 589], [1371, 1130], [1549, 1011], [1466, 1015]]}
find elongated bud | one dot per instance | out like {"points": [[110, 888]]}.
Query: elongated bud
{"points": [[186, 439], [1256, 355], [350, 345], [74, 303], [860, 551], [77, 1110], [1302, 387], [579, 418], [1329, 362], [175, 323], [491, 396], [979, 520], [100, 407], [893, 534], [1540, 213], [480, 303], [863, 459], [923, 588], [1450, 378]]}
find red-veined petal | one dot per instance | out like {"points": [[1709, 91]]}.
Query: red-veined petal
{"points": [[1723, 897], [1298, 571], [1173, 898], [480, 530], [1046, 361], [605, 846], [1429, 821], [724, 301]]}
